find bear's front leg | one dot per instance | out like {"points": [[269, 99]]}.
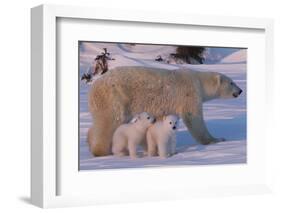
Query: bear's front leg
{"points": [[197, 128]]}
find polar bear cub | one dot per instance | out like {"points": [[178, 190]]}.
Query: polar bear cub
{"points": [[161, 137], [128, 136]]}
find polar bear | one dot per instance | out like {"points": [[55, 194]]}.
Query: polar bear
{"points": [[125, 91], [128, 136], [161, 137]]}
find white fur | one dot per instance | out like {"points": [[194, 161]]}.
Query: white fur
{"points": [[128, 136], [161, 137]]}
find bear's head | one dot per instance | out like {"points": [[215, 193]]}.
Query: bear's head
{"points": [[143, 119], [171, 122], [226, 88], [216, 85]]}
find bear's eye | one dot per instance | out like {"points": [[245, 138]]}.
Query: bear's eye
{"points": [[231, 83], [148, 118], [170, 122]]}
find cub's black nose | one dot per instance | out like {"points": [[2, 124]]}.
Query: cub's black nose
{"points": [[174, 127], [240, 91]]}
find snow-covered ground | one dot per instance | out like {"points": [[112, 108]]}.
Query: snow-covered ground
{"points": [[224, 118]]}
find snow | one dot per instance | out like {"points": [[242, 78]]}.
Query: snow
{"points": [[224, 118]]}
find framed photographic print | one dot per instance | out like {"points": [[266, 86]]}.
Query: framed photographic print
{"points": [[148, 105], [161, 98]]}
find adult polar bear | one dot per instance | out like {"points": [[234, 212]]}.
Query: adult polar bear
{"points": [[125, 91]]}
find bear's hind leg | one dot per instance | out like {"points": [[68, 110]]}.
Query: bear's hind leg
{"points": [[108, 115], [100, 135]]}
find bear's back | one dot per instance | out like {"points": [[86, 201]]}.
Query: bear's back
{"points": [[139, 74], [139, 77], [144, 89]]}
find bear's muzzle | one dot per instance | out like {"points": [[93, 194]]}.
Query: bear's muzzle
{"points": [[236, 94]]}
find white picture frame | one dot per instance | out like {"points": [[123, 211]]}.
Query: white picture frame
{"points": [[44, 150]]}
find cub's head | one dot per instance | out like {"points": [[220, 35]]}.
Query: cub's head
{"points": [[144, 119], [171, 122], [226, 88]]}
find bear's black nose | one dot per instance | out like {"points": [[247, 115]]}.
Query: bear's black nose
{"points": [[240, 91], [174, 127]]}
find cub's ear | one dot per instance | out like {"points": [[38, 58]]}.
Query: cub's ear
{"points": [[135, 119]]}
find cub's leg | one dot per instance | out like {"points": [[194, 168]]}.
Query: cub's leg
{"points": [[163, 148], [151, 145], [173, 145], [119, 145], [143, 145], [132, 147]]}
